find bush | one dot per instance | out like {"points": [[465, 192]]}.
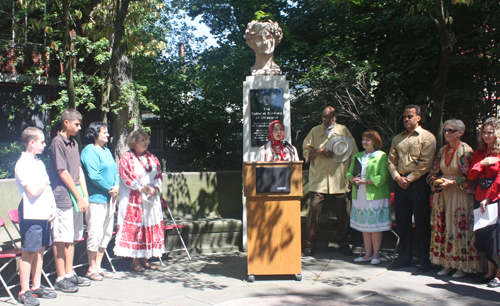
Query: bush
{"points": [[10, 154], [8, 158]]}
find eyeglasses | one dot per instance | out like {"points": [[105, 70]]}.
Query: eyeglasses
{"points": [[450, 131]]}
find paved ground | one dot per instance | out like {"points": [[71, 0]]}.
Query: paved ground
{"points": [[328, 279]]}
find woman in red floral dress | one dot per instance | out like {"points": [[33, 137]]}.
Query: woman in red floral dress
{"points": [[452, 235], [140, 219]]}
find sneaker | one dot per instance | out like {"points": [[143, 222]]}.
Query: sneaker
{"points": [[79, 281], [65, 285], [27, 298], [43, 293]]}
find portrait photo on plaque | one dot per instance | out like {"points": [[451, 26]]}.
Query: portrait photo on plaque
{"points": [[266, 105]]}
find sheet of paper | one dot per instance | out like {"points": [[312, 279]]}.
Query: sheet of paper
{"points": [[489, 217]]}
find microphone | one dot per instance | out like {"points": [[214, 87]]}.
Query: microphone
{"points": [[286, 144]]}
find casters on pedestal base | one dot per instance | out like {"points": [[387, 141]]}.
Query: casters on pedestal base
{"points": [[251, 278]]}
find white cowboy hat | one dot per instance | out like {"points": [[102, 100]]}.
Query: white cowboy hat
{"points": [[341, 147]]}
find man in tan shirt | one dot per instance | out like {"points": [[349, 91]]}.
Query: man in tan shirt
{"points": [[410, 158], [327, 177]]}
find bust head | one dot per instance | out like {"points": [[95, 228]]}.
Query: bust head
{"points": [[262, 37]]}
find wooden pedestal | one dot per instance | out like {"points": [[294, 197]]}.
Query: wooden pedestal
{"points": [[273, 224]]}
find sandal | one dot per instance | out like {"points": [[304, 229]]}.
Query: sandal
{"points": [[94, 276], [138, 268], [150, 266], [105, 273]]}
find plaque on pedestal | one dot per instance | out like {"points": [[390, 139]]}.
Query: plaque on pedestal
{"points": [[266, 105]]}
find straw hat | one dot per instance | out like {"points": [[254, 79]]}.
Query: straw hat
{"points": [[341, 147]]}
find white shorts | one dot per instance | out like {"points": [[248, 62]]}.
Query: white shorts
{"points": [[68, 225], [99, 219]]}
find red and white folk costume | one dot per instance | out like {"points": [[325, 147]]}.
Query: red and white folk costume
{"points": [[140, 220]]}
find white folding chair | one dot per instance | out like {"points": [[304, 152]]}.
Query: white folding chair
{"points": [[178, 229], [110, 260]]}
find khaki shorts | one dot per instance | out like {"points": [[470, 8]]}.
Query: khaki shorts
{"points": [[68, 225]]}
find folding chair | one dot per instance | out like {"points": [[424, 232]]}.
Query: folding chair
{"points": [[178, 228], [77, 265], [9, 255], [110, 260], [392, 230], [14, 218]]}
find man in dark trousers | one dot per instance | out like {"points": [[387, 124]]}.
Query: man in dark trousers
{"points": [[327, 177], [410, 158]]}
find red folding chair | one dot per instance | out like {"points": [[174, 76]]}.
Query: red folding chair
{"points": [[9, 256], [14, 218], [178, 229]]}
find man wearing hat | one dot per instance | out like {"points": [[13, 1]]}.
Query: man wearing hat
{"points": [[329, 148], [410, 158]]}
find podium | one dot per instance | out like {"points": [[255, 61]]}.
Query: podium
{"points": [[273, 191]]}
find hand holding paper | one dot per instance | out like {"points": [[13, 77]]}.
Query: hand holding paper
{"points": [[488, 217]]}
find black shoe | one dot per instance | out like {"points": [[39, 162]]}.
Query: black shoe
{"points": [[423, 269], [27, 298], [482, 279], [43, 293], [65, 285], [79, 281], [494, 283], [345, 250], [398, 265], [309, 251]]}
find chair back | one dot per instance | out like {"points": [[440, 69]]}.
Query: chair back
{"points": [[14, 216], [2, 224], [163, 202]]}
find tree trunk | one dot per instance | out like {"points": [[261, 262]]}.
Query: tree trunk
{"points": [[439, 87], [121, 120], [68, 59], [115, 56]]}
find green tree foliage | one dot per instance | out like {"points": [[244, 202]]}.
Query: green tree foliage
{"points": [[103, 34], [198, 109], [366, 58], [8, 158], [371, 58]]}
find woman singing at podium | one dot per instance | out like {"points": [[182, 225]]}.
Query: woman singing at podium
{"points": [[277, 149]]}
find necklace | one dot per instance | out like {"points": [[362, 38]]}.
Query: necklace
{"points": [[449, 157], [278, 149], [149, 168]]}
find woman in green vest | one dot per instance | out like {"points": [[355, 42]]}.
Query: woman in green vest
{"points": [[370, 213]]}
